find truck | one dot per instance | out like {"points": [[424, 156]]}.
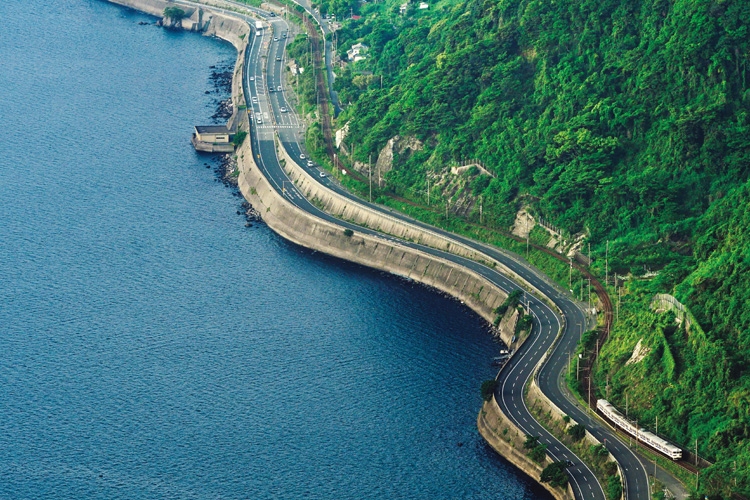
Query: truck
{"points": [[258, 28]]}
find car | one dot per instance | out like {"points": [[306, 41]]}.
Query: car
{"points": [[259, 119], [283, 109], [283, 36], [279, 88], [278, 58], [275, 39], [309, 163], [255, 99], [322, 175], [302, 157], [569, 463], [252, 78], [270, 89]]}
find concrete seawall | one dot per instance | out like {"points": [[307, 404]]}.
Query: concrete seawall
{"points": [[376, 252], [507, 440]]}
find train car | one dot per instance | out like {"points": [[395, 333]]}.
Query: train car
{"points": [[642, 435]]}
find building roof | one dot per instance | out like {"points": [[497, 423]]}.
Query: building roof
{"points": [[211, 129]]}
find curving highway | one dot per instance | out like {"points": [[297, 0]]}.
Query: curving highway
{"points": [[272, 117], [269, 104]]}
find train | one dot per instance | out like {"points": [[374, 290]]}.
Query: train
{"points": [[641, 435]]}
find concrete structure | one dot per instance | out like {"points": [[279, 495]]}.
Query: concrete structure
{"points": [[374, 251], [212, 139], [212, 133]]}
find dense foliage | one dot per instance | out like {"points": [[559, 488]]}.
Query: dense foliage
{"points": [[555, 475], [627, 120]]}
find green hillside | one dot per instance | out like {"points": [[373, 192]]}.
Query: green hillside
{"points": [[625, 120]]}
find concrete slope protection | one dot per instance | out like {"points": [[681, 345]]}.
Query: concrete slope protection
{"points": [[264, 150], [269, 120], [550, 376]]}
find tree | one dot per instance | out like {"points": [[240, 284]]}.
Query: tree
{"points": [[614, 487], [531, 442], [488, 389], [577, 432], [538, 453], [174, 13], [555, 475]]}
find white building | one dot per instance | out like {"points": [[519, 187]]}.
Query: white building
{"points": [[357, 52]]}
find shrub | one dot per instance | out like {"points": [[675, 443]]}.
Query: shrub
{"points": [[614, 487], [348, 233], [538, 453], [239, 137], [577, 432], [555, 475], [488, 389], [174, 12], [531, 442]]}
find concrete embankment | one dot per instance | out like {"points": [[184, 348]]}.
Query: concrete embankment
{"points": [[507, 440], [377, 252], [346, 209]]}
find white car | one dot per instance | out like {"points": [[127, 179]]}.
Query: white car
{"points": [[275, 39], [255, 99], [283, 109], [322, 174], [309, 163], [252, 78], [302, 157], [279, 88]]}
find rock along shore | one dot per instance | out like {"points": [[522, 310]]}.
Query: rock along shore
{"points": [[308, 231]]}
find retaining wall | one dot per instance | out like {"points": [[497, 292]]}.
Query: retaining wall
{"points": [[507, 440]]}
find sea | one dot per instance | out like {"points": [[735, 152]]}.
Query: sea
{"points": [[155, 344]]}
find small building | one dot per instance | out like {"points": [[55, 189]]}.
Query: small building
{"points": [[423, 5], [212, 133], [357, 52], [212, 139], [402, 9]]}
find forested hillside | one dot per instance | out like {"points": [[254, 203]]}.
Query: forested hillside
{"points": [[625, 120]]}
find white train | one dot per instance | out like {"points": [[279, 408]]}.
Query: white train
{"points": [[641, 435]]}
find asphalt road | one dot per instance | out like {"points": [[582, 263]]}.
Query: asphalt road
{"points": [[547, 324], [267, 104], [547, 321]]}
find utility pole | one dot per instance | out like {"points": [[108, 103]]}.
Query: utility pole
{"points": [[527, 244], [578, 365], [581, 289], [369, 169], [636, 433], [428, 190], [696, 452], [589, 255], [619, 294], [589, 387], [657, 426], [570, 274], [589, 293], [480, 210], [606, 265], [626, 406]]}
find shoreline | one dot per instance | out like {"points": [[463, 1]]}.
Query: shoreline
{"points": [[301, 228]]}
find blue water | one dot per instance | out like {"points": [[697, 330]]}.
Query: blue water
{"points": [[152, 346]]}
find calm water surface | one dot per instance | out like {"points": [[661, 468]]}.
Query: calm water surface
{"points": [[152, 346]]}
